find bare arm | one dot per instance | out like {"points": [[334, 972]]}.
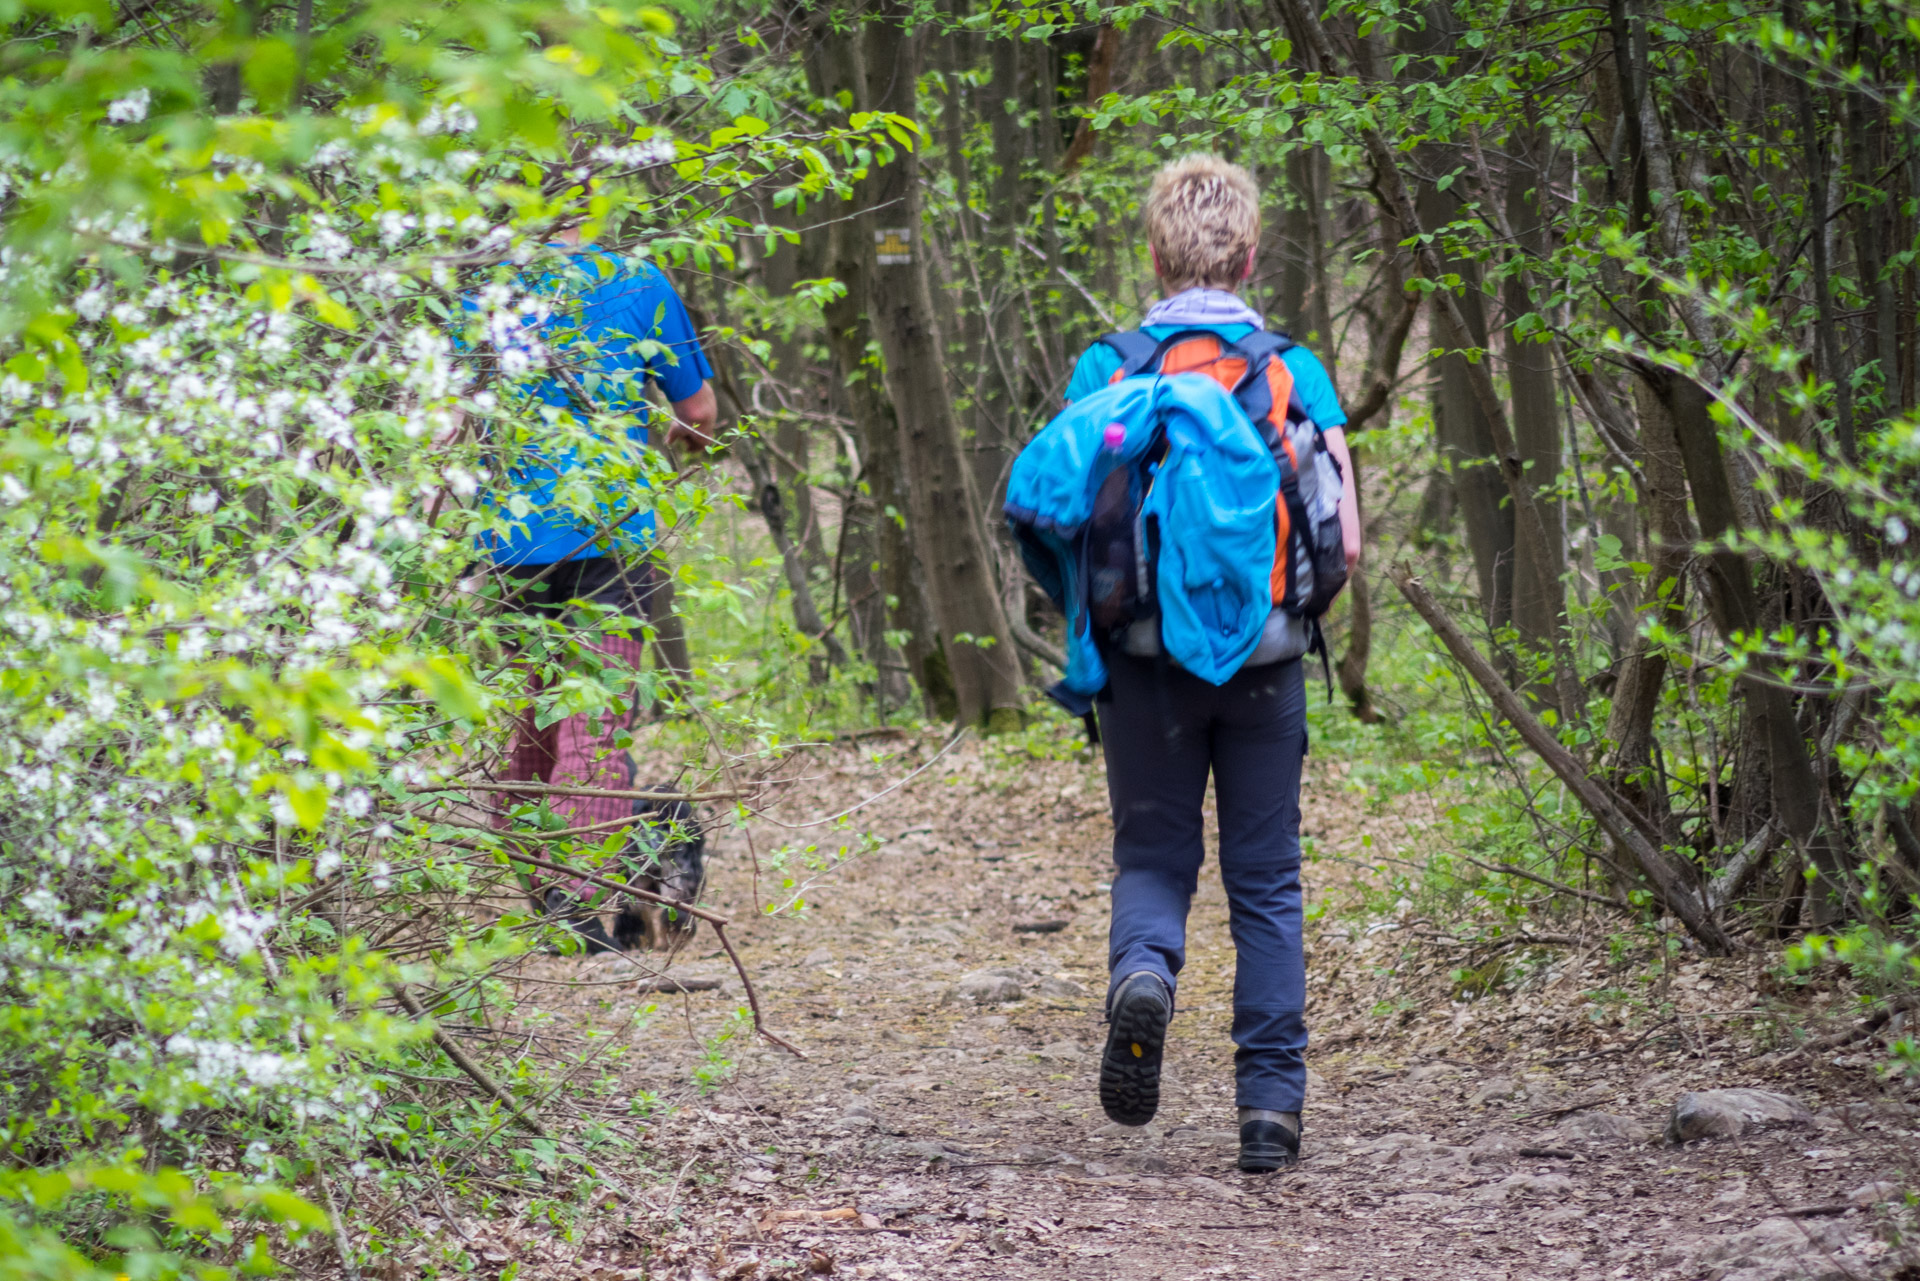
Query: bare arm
{"points": [[1336, 438], [694, 419]]}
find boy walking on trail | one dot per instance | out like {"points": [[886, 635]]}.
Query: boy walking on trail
{"points": [[633, 329], [1165, 730]]}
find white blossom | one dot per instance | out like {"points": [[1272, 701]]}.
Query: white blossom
{"points": [[131, 109]]}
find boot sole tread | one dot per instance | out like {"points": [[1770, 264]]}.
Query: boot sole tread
{"points": [[1130, 1084]]}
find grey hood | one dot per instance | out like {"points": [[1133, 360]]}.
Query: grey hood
{"points": [[1203, 307]]}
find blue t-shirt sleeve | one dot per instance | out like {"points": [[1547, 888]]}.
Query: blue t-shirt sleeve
{"points": [[658, 314], [1314, 388], [1095, 370], [682, 369]]}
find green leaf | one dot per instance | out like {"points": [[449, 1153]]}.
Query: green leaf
{"points": [[270, 68], [308, 802], [451, 687], [285, 1207]]}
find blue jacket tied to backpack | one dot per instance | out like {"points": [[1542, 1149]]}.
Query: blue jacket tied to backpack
{"points": [[1208, 509]]}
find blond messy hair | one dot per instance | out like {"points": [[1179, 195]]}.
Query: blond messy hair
{"points": [[1203, 217]]}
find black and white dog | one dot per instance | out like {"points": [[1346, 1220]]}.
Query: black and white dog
{"points": [[666, 854]]}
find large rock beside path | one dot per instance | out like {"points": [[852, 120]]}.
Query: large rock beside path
{"points": [[1726, 1114]]}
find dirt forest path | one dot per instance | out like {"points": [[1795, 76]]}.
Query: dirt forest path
{"points": [[947, 990]]}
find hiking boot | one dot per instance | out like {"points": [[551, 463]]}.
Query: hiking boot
{"points": [[1269, 1141], [1136, 1034]]}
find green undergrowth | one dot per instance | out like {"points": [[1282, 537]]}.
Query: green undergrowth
{"points": [[1488, 844], [1456, 796]]}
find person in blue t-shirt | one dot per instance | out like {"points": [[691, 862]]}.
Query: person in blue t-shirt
{"points": [[1166, 732], [622, 327], [638, 331]]}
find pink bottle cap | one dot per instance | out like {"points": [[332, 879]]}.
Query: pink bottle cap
{"points": [[1116, 436]]}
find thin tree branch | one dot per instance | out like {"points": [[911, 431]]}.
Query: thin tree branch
{"points": [[478, 1074], [718, 922]]}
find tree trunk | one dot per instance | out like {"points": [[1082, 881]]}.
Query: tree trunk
{"points": [[772, 503], [1866, 128], [1827, 326], [1387, 342], [1006, 350], [863, 582], [1106, 47], [1798, 799], [1539, 603], [884, 578], [1046, 321], [1351, 670], [1615, 511], [1466, 435], [1316, 186], [883, 478], [1009, 142], [779, 273], [1643, 670], [943, 503], [1296, 228]]}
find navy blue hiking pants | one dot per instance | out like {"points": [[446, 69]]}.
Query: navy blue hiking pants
{"points": [[1164, 731]]}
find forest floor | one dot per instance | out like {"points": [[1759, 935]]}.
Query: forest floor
{"points": [[944, 1122]]}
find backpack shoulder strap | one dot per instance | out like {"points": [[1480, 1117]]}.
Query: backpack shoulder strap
{"points": [[1265, 342], [1136, 348], [1266, 392], [1273, 345], [1141, 353]]}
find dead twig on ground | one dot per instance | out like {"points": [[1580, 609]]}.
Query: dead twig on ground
{"points": [[553, 789], [1860, 1031], [714, 919], [478, 1074], [1501, 944], [1592, 1100], [1508, 869], [872, 731], [673, 986]]}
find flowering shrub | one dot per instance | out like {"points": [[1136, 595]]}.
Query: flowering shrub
{"points": [[273, 288]]}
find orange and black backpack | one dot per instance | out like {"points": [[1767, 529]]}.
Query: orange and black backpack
{"points": [[1309, 560]]}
